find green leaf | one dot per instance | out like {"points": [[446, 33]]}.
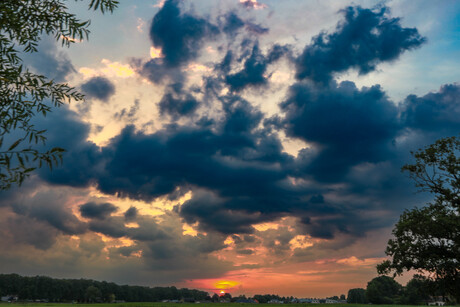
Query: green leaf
{"points": [[13, 146]]}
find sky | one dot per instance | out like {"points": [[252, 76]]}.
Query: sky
{"points": [[250, 146]]}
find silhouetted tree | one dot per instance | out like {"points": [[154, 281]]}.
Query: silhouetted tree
{"points": [[428, 239], [357, 296], [416, 292], [92, 294], [383, 290]]}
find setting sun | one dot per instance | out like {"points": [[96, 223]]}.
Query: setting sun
{"points": [[225, 285]]}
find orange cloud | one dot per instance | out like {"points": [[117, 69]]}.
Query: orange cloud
{"points": [[353, 261]]}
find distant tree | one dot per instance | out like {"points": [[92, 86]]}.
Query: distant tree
{"points": [[416, 292], [92, 294], [383, 290], [342, 297], [110, 298], [261, 298], [215, 298], [427, 239], [23, 94], [357, 296]]}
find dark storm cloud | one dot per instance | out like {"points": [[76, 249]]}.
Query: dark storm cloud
{"points": [[45, 207], [148, 230], [58, 217], [350, 125], [131, 213], [239, 174], [97, 211], [82, 158], [234, 163], [113, 227], [147, 166], [252, 74], [49, 60], [226, 64], [126, 250], [255, 67], [176, 102], [157, 72], [256, 28], [363, 40], [232, 24], [99, 87], [210, 211], [241, 166], [188, 157], [35, 233], [326, 227], [180, 36], [435, 112]]}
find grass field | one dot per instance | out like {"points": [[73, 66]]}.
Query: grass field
{"points": [[182, 305]]}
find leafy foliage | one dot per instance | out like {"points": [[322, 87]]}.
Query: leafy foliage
{"points": [[357, 296], [416, 292], [383, 290], [92, 294], [23, 94], [428, 239]]}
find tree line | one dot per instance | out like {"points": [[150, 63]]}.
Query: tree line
{"points": [[87, 290], [385, 290]]}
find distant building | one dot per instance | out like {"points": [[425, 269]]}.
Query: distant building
{"points": [[275, 302], [437, 303], [9, 298], [330, 301]]}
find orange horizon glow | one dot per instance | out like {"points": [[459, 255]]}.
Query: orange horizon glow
{"points": [[308, 279]]}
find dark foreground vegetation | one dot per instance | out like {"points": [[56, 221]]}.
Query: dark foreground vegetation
{"points": [[385, 290], [86, 290], [168, 305]]}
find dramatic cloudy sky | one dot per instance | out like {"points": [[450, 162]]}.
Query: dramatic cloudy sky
{"points": [[249, 145]]}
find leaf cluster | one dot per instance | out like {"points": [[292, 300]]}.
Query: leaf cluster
{"points": [[24, 94]]}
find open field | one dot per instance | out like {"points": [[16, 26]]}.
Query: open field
{"points": [[181, 305]]}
